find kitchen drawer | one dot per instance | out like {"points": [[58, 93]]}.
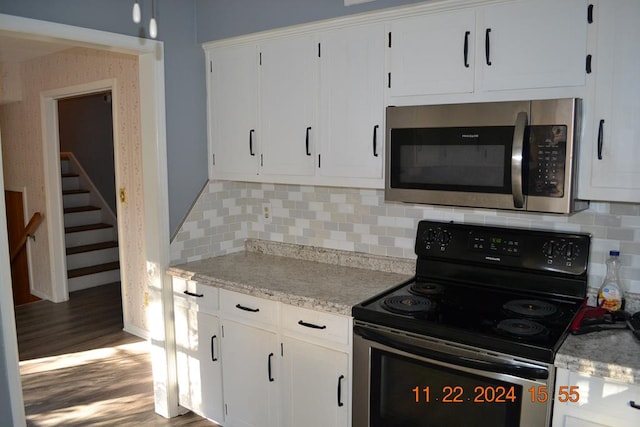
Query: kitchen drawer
{"points": [[196, 295], [248, 307], [319, 325]]}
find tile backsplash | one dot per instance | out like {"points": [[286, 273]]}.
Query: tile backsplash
{"points": [[227, 213]]}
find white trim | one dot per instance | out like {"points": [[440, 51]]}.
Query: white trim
{"points": [[156, 209], [9, 342]]}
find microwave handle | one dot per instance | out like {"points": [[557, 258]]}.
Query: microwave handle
{"points": [[516, 160]]}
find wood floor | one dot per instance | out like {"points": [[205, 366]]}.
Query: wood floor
{"points": [[79, 368]]}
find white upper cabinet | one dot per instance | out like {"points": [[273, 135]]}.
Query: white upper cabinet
{"points": [[516, 45], [432, 54], [351, 102], [288, 99], [611, 147], [233, 111], [532, 44]]}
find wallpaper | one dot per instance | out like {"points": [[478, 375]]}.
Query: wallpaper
{"points": [[23, 155]]}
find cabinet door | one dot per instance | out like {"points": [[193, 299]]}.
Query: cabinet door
{"points": [[251, 376], [199, 362], [233, 117], [351, 99], [288, 98], [428, 54], [612, 141], [533, 44], [316, 382]]}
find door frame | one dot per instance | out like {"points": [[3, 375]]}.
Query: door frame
{"points": [[53, 186], [155, 201]]}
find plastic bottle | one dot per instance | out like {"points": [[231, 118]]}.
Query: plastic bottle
{"points": [[610, 294]]}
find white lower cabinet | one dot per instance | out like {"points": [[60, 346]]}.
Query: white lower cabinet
{"points": [[316, 385], [244, 361], [316, 360], [198, 356], [251, 375], [598, 402]]}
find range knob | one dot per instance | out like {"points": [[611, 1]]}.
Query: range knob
{"points": [[549, 248], [571, 250]]}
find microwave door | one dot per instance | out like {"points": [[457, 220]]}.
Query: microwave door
{"points": [[517, 151]]}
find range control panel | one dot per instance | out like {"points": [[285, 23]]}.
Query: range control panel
{"points": [[513, 247]]}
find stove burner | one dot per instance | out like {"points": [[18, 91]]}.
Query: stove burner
{"points": [[531, 308], [407, 304], [521, 328], [426, 289]]}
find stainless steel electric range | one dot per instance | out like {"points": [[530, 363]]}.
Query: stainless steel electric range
{"points": [[470, 341]]}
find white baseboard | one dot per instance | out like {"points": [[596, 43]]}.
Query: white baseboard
{"points": [[137, 331]]}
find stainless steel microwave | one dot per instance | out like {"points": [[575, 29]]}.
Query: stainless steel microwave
{"points": [[517, 155]]}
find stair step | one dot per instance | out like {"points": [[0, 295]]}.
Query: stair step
{"points": [[92, 247], [84, 271], [88, 227], [81, 209], [70, 192]]}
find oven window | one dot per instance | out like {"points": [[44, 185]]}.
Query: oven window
{"points": [[452, 159], [408, 392]]}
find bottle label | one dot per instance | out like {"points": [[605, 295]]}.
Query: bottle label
{"points": [[610, 297]]}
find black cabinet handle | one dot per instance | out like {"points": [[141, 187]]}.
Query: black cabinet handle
{"points": [[306, 141], [600, 138], [590, 14], [311, 325], [487, 46], [242, 307], [340, 378], [251, 142], [269, 367], [466, 48], [191, 294], [375, 141], [588, 64], [213, 357], [633, 404]]}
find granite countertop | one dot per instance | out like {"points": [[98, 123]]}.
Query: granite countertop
{"points": [[611, 354], [315, 278]]}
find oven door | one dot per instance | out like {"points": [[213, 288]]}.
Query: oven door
{"points": [[405, 380]]}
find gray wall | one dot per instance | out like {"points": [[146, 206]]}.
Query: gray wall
{"points": [[86, 130], [218, 19], [183, 26], [5, 401]]}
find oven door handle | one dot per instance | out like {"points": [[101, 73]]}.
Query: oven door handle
{"points": [[502, 368]]}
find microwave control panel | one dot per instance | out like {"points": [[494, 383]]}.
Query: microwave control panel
{"points": [[547, 156]]}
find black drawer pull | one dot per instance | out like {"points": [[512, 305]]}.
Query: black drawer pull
{"points": [[375, 140], [340, 378], [600, 138], [251, 142], [311, 325], [466, 48], [213, 357], [191, 294], [306, 141], [242, 307], [633, 404], [487, 46], [269, 367]]}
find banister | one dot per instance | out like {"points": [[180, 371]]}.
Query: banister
{"points": [[31, 227]]}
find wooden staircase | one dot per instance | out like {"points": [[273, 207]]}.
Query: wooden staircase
{"points": [[91, 238]]}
